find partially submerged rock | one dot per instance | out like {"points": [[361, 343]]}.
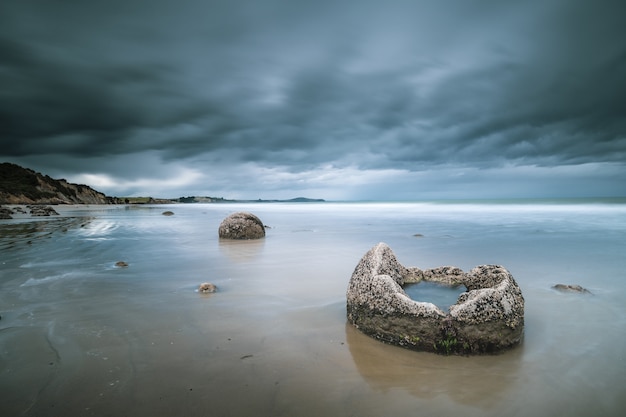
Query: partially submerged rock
{"points": [[571, 288], [241, 225], [33, 209], [36, 211], [207, 287], [121, 264], [5, 213], [488, 318], [168, 213]]}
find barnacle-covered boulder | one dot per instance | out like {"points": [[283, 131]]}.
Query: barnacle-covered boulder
{"points": [[241, 225], [487, 318]]}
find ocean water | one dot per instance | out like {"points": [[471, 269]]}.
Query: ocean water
{"points": [[80, 336]]}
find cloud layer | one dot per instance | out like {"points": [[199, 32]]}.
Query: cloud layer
{"points": [[360, 100]]}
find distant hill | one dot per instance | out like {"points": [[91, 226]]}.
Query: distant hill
{"points": [[20, 185], [196, 199], [305, 200]]}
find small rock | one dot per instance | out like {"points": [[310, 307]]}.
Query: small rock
{"points": [[168, 213], [207, 287], [41, 211], [5, 213], [571, 288], [121, 264]]}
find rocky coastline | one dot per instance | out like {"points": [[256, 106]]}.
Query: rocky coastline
{"points": [[28, 210], [23, 186]]}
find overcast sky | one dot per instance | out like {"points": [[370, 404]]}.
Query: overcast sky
{"points": [[386, 100]]}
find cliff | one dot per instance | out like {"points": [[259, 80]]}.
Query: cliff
{"points": [[20, 185]]}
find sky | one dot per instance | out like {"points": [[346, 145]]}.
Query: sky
{"points": [[341, 100]]}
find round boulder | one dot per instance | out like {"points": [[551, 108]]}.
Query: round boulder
{"points": [[487, 318], [242, 226]]}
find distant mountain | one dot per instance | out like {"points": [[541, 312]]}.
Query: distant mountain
{"points": [[20, 185]]}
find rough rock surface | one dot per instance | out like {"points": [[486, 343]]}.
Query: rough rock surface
{"points": [[207, 287], [488, 318], [41, 211], [241, 225]]}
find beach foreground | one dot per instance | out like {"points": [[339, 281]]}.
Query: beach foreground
{"points": [[80, 336]]}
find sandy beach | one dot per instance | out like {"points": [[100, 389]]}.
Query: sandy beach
{"points": [[80, 336]]}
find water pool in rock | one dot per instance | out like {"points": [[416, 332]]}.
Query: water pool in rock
{"points": [[440, 295]]}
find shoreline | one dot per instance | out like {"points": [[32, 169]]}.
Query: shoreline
{"points": [[80, 336], [23, 211]]}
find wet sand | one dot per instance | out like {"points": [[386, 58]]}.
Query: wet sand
{"points": [[79, 336], [201, 362]]}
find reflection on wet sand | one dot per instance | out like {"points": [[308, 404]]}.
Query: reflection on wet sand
{"points": [[476, 381], [28, 232], [241, 250]]}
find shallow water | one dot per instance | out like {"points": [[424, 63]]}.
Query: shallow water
{"points": [[79, 336]]}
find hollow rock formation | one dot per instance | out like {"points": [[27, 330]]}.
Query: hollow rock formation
{"points": [[487, 318]]}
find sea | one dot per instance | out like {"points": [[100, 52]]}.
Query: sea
{"points": [[80, 336]]}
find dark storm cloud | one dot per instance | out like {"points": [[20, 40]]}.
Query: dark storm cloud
{"points": [[407, 85]]}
